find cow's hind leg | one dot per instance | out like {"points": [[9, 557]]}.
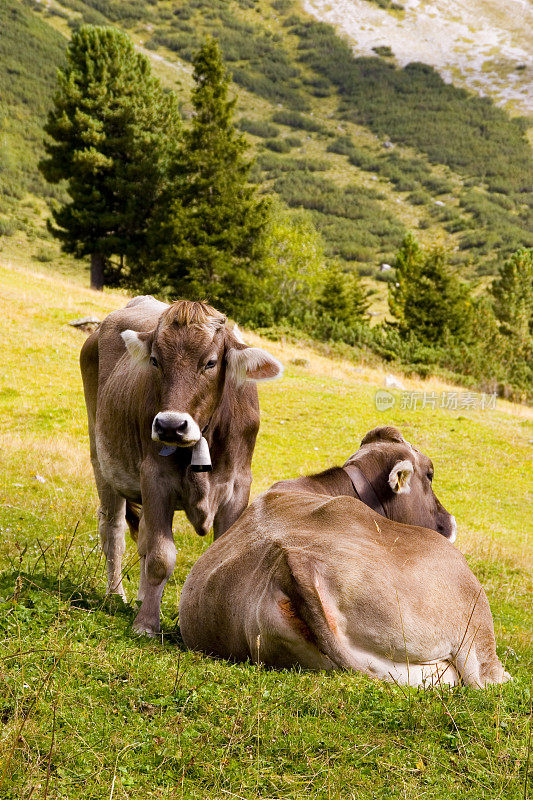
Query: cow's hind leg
{"points": [[111, 526], [111, 513], [476, 659], [133, 518], [479, 668]]}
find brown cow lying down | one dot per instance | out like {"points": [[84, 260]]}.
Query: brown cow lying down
{"points": [[169, 389], [311, 576]]}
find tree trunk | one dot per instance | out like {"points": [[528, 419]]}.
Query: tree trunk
{"points": [[97, 271]]}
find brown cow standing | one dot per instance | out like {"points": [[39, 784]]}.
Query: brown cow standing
{"points": [[311, 576], [166, 387]]}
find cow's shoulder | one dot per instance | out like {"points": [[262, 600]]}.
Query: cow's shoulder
{"points": [[294, 498], [306, 513], [287, 507]]}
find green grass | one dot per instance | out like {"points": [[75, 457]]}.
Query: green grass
{"points": [[90, 711]]}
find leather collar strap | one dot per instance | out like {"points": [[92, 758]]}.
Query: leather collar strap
{"points": [[364, 489]]}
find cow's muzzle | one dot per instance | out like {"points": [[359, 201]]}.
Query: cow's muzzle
{"points": [[448, 528], [175, 428], [453, 534]]}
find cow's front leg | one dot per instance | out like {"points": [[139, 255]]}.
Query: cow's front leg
{"points": [[156, 550]]}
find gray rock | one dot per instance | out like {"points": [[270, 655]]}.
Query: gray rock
{"points": [[299, 362], [88, 324]]}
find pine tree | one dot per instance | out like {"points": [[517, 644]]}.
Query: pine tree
{"points": [[513, 300], [213, 225], [334, 301], [113, 130], [426, 299], [408, 265], [358, 298], [343, 298]]}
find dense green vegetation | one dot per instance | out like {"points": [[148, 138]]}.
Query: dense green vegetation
{"points": [[190, 236], [426, 300], [275, 165], [90, 711], [258, 127], [259, 60], [283, 59], [480, 198], [354, 223], [30, 52], [112, 132], [415, 106], [513, 296], [296, 120]]}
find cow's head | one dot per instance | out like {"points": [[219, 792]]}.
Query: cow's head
{"points": [[402, 479], [191, 354]]}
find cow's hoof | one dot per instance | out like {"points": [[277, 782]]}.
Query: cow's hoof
{"points": [[145, 628]]}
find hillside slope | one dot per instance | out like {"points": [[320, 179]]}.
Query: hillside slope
{"points": [[30, 52], [485, 45], [369, 148]]}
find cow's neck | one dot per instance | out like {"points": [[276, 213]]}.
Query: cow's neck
{"points": [[348, 481], [224, 423], [363, 488]]}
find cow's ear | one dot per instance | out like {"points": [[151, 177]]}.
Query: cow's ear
{"points": [[400, 477], [252, 364], [138, 345]]}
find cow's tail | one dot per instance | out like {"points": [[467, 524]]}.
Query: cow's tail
{"points": [[312, 605], [133, 517]]}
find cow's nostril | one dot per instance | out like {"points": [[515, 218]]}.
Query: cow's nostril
{"points": [[182, 426], [158, 428]]}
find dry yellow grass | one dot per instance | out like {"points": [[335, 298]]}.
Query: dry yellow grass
{"points": [[474, 450]]}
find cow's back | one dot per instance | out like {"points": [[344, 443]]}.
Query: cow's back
{"points": [[237, 585]]}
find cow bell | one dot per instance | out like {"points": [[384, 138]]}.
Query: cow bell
{"points": [[201, 458]]}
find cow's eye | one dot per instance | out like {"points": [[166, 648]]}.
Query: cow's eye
{"points": [[430, 476], [153, 361], [211, 363]]}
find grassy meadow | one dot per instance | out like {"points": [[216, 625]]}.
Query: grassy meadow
{"points": [[89, 710]]}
